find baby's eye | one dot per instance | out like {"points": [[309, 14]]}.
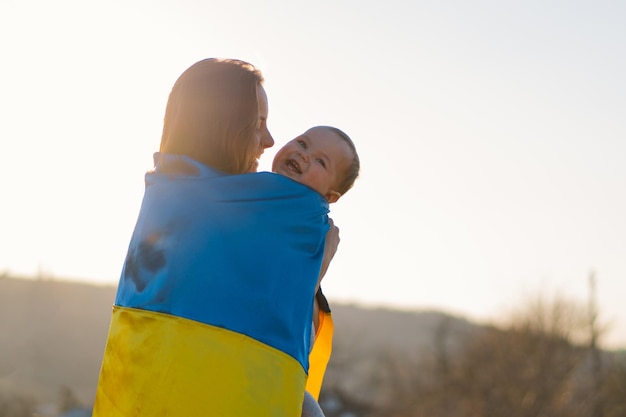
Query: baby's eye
{"points": [[321, 162], [302, 143]]}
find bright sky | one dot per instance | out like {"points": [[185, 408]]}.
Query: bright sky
{"points": [[492, 136]]}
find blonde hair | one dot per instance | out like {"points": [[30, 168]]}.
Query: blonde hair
{"points": [[212, 112]]}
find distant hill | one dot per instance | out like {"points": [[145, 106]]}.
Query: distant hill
{"points": [[369, 342], [52, 336]]}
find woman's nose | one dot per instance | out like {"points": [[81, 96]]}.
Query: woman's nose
{"points": [[267, 141]]}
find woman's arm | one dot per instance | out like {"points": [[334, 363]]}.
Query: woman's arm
{"points": [[332, 242]]}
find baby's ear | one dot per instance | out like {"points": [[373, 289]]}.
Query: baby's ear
{"points": [[332, 196]]}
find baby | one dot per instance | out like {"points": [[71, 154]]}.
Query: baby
{"points": [[325, 159]]}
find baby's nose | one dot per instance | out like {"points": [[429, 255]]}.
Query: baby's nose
{"points": [[304, 155]]}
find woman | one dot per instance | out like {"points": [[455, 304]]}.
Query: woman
{"points": [[214, 305]]}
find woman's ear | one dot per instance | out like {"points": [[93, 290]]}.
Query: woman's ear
{"points": [[332, 196]]}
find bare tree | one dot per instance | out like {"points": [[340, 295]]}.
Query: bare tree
{"points": [[527, 368], [594, 352]]}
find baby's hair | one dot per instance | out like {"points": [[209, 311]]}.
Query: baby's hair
{"points": [[355, 166]]}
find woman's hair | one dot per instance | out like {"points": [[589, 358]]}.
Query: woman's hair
{"points": [[211, 114], [355, 166]]}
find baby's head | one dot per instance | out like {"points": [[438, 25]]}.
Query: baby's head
{"points": [[323, 158]]}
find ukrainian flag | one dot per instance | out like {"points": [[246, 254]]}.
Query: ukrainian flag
{"points": [[322, 348], [214, 307]]}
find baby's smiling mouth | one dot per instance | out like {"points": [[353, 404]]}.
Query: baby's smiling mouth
{"points": [[294, 166]]}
